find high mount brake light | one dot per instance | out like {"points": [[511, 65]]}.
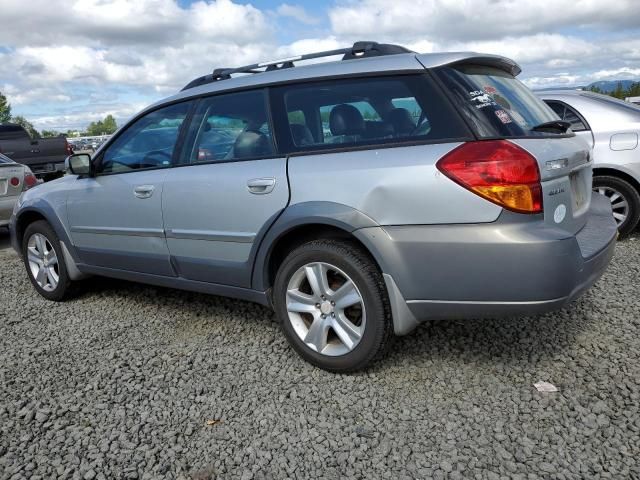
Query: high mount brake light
{"points": [[497, 170]]}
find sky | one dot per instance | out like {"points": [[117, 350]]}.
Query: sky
{"points": [[65, 63]]}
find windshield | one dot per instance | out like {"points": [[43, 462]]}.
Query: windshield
{"points": [[495, 102]]}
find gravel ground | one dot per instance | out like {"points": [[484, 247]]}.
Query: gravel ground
{"points": [[130, 381]]}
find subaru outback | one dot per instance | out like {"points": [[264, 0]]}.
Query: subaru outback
{"points": [[357, 197]]}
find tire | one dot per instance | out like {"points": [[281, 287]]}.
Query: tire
{"points": [[38, 235], [610, 187], [356, 326]]}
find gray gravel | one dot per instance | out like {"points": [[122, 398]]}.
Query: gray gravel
{"points": [[130, 381]]}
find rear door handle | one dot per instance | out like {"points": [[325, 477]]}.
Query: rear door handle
{"points": [[143, 191], [261, 186]]}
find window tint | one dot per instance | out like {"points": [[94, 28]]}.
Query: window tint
{"points": [[495, 102], [568, 114], [367, 111], [4, 159], [231, 127], [557, 107], [147, 143]]}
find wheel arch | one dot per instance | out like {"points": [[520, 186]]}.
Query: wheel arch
{"points": [[615, 172], [300, 223]]}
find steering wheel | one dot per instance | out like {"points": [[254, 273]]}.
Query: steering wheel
{"points": [[149, 160]]}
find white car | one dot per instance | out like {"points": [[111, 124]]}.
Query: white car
{"points": [[14, 179], [612, 128]]}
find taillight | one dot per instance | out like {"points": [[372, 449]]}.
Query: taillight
{"points": [[15, 181], [497, 170], [68, 148], [30, 180]]}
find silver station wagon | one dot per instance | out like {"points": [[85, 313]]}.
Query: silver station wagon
{"points": [[357, 197]]}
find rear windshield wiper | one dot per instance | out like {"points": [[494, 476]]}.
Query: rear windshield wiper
{"points": [[552, 126]]}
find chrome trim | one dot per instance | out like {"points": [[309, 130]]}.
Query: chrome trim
{"points": [[211, 235], [136, 232]]}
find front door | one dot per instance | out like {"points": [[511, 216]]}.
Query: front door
{"points": [[115, 217], [230, 188]]}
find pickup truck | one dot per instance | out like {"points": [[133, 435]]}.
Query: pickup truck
{"points": [[44, 156]]}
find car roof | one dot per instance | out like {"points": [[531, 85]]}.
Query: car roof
{"points": [[401, 62]]}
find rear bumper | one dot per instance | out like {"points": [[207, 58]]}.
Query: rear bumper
{"points": [[6, 209], [509, 267]]}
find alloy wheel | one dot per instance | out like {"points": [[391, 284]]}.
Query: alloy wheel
{"points": [[326, 309], [43, 262], [619, 203]]}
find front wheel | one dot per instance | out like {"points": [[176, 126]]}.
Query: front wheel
{"points": [[624, 198], [44, 262], [332, 305]]}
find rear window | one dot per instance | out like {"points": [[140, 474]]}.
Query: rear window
{"points": [[495, 102], [365, 111], [12, 132], [4, 159]]}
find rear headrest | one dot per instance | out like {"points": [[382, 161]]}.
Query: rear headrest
{"points": [[374, 129], [402, 121], [346, 120], [301, 135], [251, 144]]}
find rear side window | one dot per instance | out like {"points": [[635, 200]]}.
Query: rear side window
{"points": [[365, 111], [568, 114], [494, 102]]}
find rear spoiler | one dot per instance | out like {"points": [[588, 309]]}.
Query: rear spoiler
{"points": [[431, 60]]}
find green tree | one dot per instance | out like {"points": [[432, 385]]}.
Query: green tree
{"points": [[106, 126], [5, 109], [28, 126], [49, 133], [619, 92]]}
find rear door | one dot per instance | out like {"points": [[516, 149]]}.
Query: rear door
{"points": [[497, 106], [229, 188]]}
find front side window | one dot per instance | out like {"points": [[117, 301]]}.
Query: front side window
{"points": [[147, 143], [494, 102], [231, 127], [349, 112]]}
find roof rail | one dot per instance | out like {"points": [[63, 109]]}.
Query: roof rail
{"points": [[358, 50]]}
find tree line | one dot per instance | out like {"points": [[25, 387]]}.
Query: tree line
{"points": [[105, 126], [620, 92]]}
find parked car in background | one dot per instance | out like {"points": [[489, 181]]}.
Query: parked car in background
{"points": [[441, 187], [14, 179], [44, 156], [612, 128]]}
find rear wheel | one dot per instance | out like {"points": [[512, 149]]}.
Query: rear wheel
{"points": [[624, 198], [44, 262], [332, 305]]}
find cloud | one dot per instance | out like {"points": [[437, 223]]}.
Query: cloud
{"points": [[298, 13], [463, 20], [100, 56]]}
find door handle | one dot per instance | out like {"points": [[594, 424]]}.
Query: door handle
{"points": [[143, 191], [260, 186]]}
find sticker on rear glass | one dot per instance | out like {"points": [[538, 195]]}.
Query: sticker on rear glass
{"points": [[481, 99], [503, 116], [489, 89]]}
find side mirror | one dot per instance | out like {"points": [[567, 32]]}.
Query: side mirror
{"points": [[78, 164]]}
